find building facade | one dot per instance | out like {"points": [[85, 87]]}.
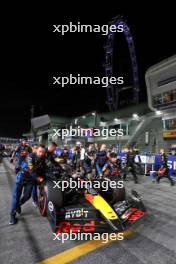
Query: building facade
{"points": [[146, 126]]}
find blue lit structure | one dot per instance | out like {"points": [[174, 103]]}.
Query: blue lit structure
{"points": [[113, 92]]}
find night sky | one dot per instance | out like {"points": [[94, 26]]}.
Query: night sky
{"points": [[31, 55]]}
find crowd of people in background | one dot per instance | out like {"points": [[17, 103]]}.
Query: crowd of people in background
{"points": [[31, 163], [95, 160]]}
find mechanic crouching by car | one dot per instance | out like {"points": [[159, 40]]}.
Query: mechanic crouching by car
{"points": [[32, 166]]}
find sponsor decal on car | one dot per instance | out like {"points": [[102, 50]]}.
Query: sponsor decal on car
{"points": [[132, 214], [50, 206], [78, 213], [67, 226]]}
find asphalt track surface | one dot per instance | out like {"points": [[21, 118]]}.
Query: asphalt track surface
{"points": [[151, 241]]}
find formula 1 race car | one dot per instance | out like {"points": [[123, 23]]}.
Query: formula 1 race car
{"points": [[88, 209]]}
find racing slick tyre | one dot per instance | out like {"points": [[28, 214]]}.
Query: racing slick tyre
{"points": [[42, 199], [55, 195], [48, 194], [55, 202], [118, 195]]}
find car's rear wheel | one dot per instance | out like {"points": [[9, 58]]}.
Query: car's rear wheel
{"points": [[54, 194], [42, 200], [118, 195], [55, 202], [114, 195], [47, 193]]}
